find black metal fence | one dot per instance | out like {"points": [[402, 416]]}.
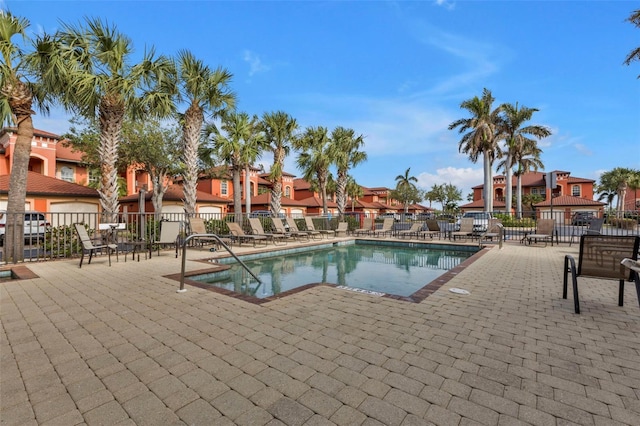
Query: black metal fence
{"points": [[50, 236]]}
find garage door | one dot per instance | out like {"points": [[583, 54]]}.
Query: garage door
{"points": [[210, 212], [68, 213], [296, 213]]}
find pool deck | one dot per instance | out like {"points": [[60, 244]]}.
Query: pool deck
{"points": [[119, 345]]}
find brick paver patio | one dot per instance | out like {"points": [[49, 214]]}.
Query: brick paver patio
{"points": [[119, 345]]}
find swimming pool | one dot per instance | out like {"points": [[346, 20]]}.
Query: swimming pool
{"points": [[393, 268]]}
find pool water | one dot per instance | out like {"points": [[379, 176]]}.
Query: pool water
{"points": [[398, 270]]}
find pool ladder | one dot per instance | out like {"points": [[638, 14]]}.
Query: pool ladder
{"points": [[208, 237]]}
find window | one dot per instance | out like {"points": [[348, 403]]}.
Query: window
{"points": [[94, 176], [287, 191], [534, 191], [575, 190], [66, 174], [224, 189]]}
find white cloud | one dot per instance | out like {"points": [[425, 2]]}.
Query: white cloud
{"points": [[449, 5], [463, 178], [255, 63]]}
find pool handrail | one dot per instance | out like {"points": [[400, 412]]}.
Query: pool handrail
{"points": [[219, 240]]}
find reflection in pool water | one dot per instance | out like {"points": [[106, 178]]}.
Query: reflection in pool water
{"points": [[389, 269]]}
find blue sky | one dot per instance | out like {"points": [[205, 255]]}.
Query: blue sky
{"points": [[396, 72]]}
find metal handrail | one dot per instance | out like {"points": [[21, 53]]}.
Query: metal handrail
{"points": [[208, 236]]}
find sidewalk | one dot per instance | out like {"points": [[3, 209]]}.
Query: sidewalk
{"points": [[119, 345]]}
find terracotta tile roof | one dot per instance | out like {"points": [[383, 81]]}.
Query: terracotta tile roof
{"points": [[301, 184], [265, 175], [38, 184], [579, 180], [569, 200], [176, 193], [316, 202], [479, 204]]}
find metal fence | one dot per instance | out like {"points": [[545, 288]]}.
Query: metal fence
{"points": [[56, 237]]}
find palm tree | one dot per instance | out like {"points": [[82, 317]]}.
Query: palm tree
{"points": [[481, 138], [353, 190], [606, 194], [93, 68], [404, 185], [344, 149], [315, 159], [620, 179], [227, 141], [280, 132], [253, 144], [526, 159], [20, 87], [634, 55], [516, 139], [205, 91]]}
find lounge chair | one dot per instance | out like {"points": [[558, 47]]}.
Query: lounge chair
{"points": [[257, 229], [594, 228], [387, 228], [601, 256], [311, 227], [493, 233], [238, 234], [316, 235], [545, 229], [367, 224], [87, 244], [342, 229], [413, 231], [279, 228], [198, 226], [293, 229], [466, 228], [432, 229], [169, 233]]}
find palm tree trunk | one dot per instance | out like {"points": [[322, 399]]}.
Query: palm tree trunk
{"points": [[14, 233], [276, 190], [509, 188], [341, 191], [247, 191], [193, 120], [519, 196], [111, 115], [488, 183], [237, 194]]}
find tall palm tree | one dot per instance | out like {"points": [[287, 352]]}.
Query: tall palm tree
{"points": [[620, 179], [315, 159], [516, 137], [404, 183], [525, 159], [205, 91], [344, 149], [280, 132], [481, 137], [234, 129], [93, 63], [353, 190], [20, 87], [634, 55]]}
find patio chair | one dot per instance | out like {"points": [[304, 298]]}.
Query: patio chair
{"points": [[432, 229], [387, 228], [413, 231], [257, 229], [293, 229], [342, 229], [87, 245], [316, 235], [169, 234], [466, 228], [311, 227], [198, 226], [279, 228], [367, 224], [238, 234], [601, 256], [545, 229], [594, 228], [494, 231]]}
